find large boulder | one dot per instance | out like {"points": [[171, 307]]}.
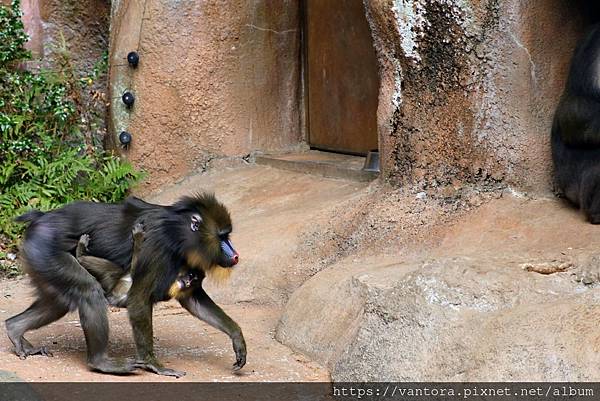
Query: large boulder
{"points": [[471, 309], [446, 319]]}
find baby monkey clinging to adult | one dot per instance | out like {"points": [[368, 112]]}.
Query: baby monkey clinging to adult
{"points": [[115, 282]]}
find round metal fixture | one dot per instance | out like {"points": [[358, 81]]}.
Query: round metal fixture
{"points": [[128, 99], [133, 59], [125, 138]]}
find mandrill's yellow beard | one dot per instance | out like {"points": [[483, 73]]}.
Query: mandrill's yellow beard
{"points": [[218, 274], [214, 273]]}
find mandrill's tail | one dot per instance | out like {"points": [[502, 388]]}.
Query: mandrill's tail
{"points": [[29, 217]]}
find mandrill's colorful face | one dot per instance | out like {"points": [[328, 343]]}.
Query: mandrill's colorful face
{"points": [[209, 226], [212, 233]]}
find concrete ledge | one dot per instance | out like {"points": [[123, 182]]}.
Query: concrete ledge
{"points": [[331, 165]]}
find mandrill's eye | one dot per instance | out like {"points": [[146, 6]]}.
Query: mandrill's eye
{"points": [[196, 221]]}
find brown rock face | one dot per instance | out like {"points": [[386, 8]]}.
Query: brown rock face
{"points": [[82, 24], [76, 31], [467, 310], [469, 87], [215, 79], [467, 91]]}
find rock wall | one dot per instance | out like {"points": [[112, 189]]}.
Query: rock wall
{"points": [[79, 30], [80, 25], [215, 79], [469, 88], [467, 92]]}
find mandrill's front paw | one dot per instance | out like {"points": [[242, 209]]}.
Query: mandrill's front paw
{"points": [[239, 346], [239, 363]]}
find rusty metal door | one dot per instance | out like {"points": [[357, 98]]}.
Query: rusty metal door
{"points": [[342, 77]]}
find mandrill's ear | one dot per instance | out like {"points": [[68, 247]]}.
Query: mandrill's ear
{"points": [[196, 221]]}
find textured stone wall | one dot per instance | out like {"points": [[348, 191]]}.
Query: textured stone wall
{"points": [[467, 95], [78, 26], [469, 88], [77, 29], [467, 92], [81, 25], [216, 79]]}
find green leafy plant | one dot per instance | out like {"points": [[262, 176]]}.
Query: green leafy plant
{"points": [[12, 34], [45, 158]]}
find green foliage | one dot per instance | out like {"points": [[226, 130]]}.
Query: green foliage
{"points": [[12, 35], [45, 161]]}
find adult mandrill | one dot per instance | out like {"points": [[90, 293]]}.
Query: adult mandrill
{"points": [[189, 237], [576, 130]]}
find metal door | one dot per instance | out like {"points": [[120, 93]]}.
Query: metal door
{"points": [[342, 77]]}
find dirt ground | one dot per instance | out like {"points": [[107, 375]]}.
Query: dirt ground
{"points": [[181, 342], [270, 208], [289, 227]]}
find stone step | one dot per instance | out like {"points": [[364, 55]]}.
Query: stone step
{"points": [[326, 164]]}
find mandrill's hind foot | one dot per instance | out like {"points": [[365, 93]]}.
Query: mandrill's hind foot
{"points": [[31, 350], [23, 348], [26, 349], [159, 370], [112, 366]]}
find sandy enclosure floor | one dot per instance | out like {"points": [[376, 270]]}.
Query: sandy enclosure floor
{"points": [[290, 227], [270, 209], [181, 342]]}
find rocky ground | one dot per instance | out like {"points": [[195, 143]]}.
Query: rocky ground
{"points": [[508, 293], [366, 282]]}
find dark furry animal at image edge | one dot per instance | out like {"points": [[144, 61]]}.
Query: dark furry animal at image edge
{"points": [[191, 235], [575, 136]]}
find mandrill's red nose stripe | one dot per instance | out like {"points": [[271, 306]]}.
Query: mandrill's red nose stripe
{"points": [[236, 259]]}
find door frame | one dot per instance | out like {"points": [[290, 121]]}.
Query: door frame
{"points": [[304, 85]]}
